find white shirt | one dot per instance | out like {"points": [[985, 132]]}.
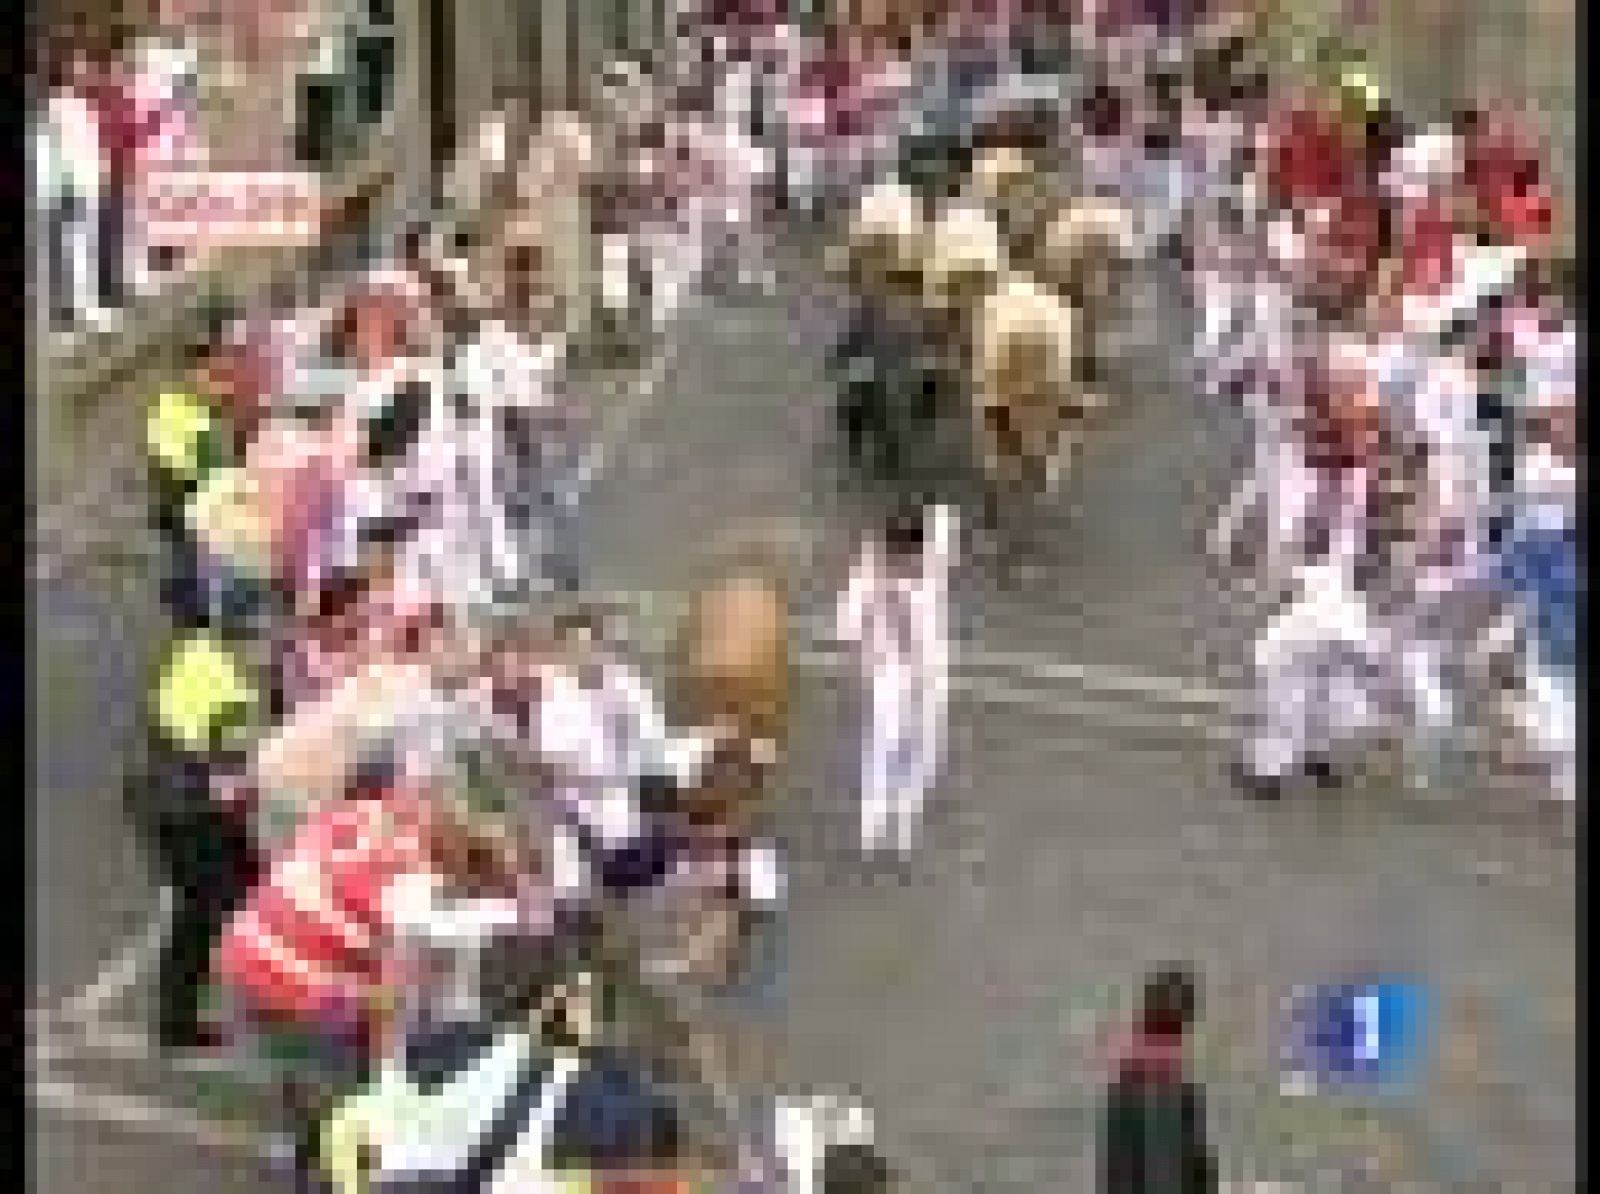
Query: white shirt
{"points": [[601, 740], [439, 1129], [75, 133], [427, 920], [499, 371], [49, 171], [398, 487], [865, 617], [1292, 491], [1437, 395], [502, 369], [1547, 490]]}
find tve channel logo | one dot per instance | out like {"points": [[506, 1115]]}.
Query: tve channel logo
{"points": [[1362, 1034]]}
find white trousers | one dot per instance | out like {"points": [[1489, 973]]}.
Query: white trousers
{"points": [[1321, 682], [616, 273], [1327, 676], [1550, 720], [72, 234], [901, 753], [1222, 314], [677, 252]]}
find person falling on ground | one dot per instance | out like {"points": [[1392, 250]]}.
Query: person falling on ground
{"points": [[895, 612]]}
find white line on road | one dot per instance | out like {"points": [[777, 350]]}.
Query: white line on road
{"points": [[974, 665], [1038, 667], [74, 1100], [123, 971], [108, 1039], [1109, 712], [998, 678]]}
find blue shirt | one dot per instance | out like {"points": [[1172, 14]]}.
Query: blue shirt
{"points": [[1539, 563]]}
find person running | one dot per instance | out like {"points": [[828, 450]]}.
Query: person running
{"points": [[1321, 670], [895, 612], [600, 733], [1539, 564]]}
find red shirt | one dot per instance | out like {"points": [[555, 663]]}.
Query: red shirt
{"points": [[1144, 1054], [743, 16], [1310, 158], [834, 82], [1351, 242], [1429, 254]]}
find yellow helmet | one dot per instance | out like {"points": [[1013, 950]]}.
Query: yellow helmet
{"points": [[203, 688], [177, 431], [1359, 88]]}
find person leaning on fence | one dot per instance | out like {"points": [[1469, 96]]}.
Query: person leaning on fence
{"points": [[191, 435]]}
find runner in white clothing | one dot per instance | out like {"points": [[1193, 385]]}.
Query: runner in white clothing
{"points": [[1321, 672], [896, 612], [600, 729]]}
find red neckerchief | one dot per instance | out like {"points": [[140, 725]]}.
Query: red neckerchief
{"points": [[1143, 1054], [124, 127]]}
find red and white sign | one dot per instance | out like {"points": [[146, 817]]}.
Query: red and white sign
{"points": [[200, 211]]}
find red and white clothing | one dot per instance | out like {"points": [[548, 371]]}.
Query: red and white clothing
{"points": [[1319, 664], [900, 624], [163, 94], [836, 111], [1309, 158], [312, 940], [1504, 176]]}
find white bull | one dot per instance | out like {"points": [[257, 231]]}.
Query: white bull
{"points": [[888, 237], [1028, 403]]}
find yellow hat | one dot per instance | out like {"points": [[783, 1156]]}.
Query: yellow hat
{"points": [[176, 430], [1359, 87], [201, 686]]}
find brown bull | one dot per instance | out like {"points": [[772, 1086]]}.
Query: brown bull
{"points": [[733, 658], [732, 673]]}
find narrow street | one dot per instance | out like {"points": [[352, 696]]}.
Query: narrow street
{"points": [[1082, 834]]}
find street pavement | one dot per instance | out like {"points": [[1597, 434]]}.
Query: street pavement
{"points": [[1082, 833]]}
